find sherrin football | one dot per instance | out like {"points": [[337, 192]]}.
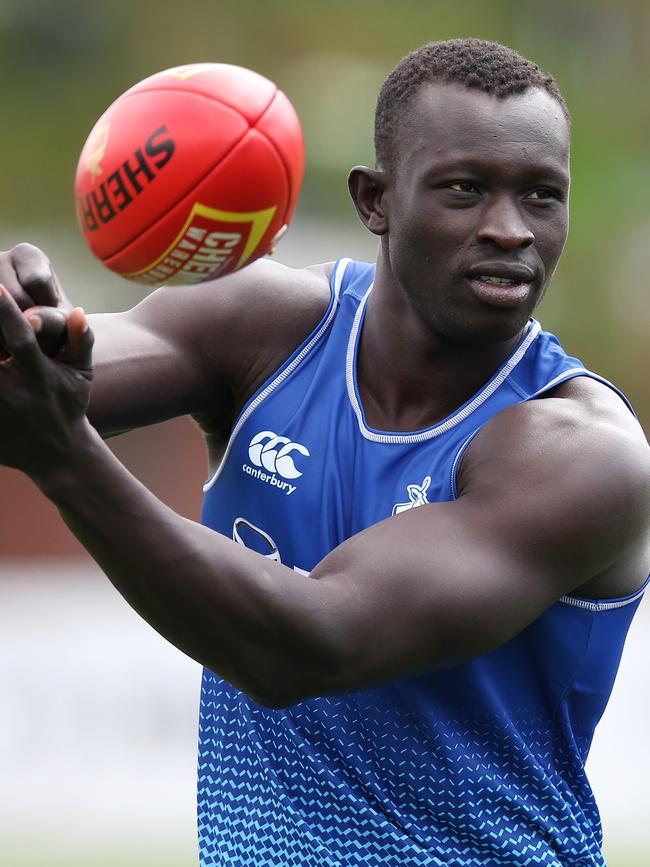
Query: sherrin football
{"points": [[192, 173]]}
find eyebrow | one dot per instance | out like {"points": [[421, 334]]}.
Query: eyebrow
{"points": [[473, 163]]}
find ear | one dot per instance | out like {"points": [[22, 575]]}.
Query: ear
{"points": [[367, 187]]}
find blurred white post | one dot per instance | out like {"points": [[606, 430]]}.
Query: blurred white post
{"points": [[98, 718]]}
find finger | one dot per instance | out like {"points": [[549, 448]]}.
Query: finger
{"points": [[16, 333], [78, 352], [49, 325], [35, 275], [9, 279]]}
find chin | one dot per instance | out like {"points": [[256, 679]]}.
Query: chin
{"points": [[489, 327]]}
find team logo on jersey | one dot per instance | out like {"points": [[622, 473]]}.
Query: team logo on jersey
{"points": [[417, 496], [256, 539], [249, 536], [277, 455]]}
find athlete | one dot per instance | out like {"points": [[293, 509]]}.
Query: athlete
{"points": [[425, 530]]}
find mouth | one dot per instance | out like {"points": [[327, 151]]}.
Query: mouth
{"points": [[501, 285]]}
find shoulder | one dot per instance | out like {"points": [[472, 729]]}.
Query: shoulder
{"points": [[268, 317], [272, 308], [240, 327], [576, 464], [581, 419], [240, 299]]}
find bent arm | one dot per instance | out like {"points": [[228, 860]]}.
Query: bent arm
{"points": [[200, 350], [185, 349], [547, 503]]}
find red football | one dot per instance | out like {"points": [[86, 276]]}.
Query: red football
{"points": [[190, 174]]}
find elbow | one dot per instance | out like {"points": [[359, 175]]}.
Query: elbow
{"points": [[276, 701], [301, 657], [288, 684], [286, 680], [276, 693]]}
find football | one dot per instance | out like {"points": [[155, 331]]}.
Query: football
{"points": [[190, 174]]}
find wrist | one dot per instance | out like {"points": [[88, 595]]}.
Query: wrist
{"points": [[58, 471]]}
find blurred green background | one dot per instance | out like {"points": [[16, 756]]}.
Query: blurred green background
{"points": [[63, 62]]}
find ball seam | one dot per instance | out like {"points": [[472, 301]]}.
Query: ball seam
{"points": [[200, 180], [279, 153]]}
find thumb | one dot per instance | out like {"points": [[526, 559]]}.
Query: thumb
{"points": [[78, 352]]}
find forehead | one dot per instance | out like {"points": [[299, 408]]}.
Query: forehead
{"points": [[452, 122]]}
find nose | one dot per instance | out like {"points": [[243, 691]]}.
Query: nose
{"points": [[503, 224]]}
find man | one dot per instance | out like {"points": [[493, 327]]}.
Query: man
{"points": [[432, 522]]}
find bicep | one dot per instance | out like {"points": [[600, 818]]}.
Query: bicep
{"points": [[200, 349], [541, 513], [142, 374], [427, 589]]}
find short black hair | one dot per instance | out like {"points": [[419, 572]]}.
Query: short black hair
{"points": [[475, 63]]}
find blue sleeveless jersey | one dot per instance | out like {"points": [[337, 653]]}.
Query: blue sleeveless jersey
{"points": [[477, 766]]}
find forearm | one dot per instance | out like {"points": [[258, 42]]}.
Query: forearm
{"points": [[243, 616], [129, 365]]}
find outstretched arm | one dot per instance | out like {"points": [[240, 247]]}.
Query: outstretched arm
{"points": [[199, 350], [416, 592]]}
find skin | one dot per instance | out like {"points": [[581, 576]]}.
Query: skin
{"points": [[444, 210], [478, 180]]}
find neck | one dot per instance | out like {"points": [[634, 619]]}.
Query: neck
{"points": [[409, 376]]}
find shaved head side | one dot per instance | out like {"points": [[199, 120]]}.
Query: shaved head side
{"points": [[474, 63]]}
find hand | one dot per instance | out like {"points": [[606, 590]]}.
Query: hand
{"points": [[42, 402], [27, 274]]}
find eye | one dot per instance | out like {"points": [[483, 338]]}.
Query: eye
{"points": [[543, 194], [464, 187]]}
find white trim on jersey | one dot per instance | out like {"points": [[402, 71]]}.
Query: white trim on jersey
{"points": [[453, 480], [581, 371], [605, 604], [571, 373], [575, 601], [462, 414], [339, 273], [285, 372]]}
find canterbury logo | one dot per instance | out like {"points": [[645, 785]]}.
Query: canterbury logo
{"points": [[275, 454]]}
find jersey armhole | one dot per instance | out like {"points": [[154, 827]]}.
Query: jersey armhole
{"points": [[456, 463], [572, 373], [288, 367], [336, 278], [604, 604]]}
